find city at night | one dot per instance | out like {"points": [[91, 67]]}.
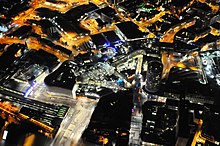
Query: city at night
{"points": [[109, 72]]}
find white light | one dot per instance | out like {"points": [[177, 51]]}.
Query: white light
{"points": [[5, 135], [218, 81], [154, 113], [3, 29]]}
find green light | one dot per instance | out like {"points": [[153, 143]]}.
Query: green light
{"points": [[145, 8]]}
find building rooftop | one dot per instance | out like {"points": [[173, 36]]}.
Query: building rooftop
{"points": [[129, 30], [105, 38], [77, 12], [108, 11]]}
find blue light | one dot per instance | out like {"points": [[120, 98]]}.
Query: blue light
{"points": [[105, 58], [115, 50], [120, 82], [29, 90], [107, 44], [118, 41]]}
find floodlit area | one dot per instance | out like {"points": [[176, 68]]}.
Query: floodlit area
{"points": [[109, 72]]}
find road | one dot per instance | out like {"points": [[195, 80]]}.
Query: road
{"points": [[75, 123], [77, 118], [169, 35]]}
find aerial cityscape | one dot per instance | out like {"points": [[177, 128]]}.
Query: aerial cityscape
{"points": [[109, 72]]}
